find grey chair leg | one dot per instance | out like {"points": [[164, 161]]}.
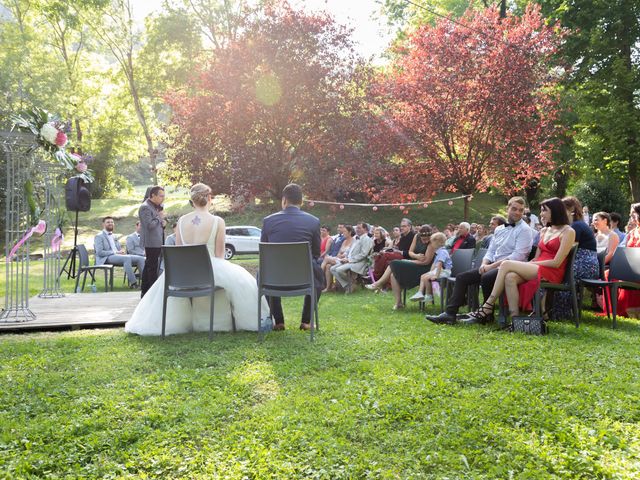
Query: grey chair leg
{"points": [[260, 334], [164, 313], [212, 307], [312, 297], [75, 289], [614, 303], [106, 283], [576, 311], [84, 280]]}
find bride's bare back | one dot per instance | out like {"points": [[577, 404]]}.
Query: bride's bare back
{"points": [[195, 228]]}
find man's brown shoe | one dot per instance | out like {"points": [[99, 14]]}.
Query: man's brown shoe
{"points": [[278, 326], [305, 326]]}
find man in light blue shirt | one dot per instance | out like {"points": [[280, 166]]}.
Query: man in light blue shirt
{"points": [[511, 241]]}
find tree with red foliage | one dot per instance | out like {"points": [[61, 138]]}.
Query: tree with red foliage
{"points": [[281, 103], [474, 105]]}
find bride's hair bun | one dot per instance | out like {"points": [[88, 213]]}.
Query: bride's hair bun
{"points": [[199, 194]]}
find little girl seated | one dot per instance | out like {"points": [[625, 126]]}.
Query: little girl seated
{"points": [[440, 268]]}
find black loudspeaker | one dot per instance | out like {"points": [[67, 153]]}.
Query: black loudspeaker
{"points": [[77, 196]]}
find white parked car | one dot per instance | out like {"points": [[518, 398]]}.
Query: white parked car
{"points": [[240, 240]]}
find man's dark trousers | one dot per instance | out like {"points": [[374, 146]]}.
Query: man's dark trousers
{"points": [[463, 281], [151, 267]]}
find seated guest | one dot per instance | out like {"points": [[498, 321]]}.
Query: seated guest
{"points": [[133, 242], [629, 300], [357, 260], [463, 239], [585, 264], [395, 235], [521, 280], [108, 251], [616, 220], [440, 268], [346, 243], [400, 250], [495, 222], [336, 242], [170, 241], [481, 233], [511, 241], [606, 239], [380, 240], [325, 240], [405, 273]]}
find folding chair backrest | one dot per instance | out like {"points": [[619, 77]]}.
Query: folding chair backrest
{"points": [[477, 258], [461, 259], [187, 266], [84, 256], [625, 265], [285, 264], [571, 258]]}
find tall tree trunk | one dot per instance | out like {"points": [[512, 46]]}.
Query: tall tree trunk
{"points": [[627, 94], [142, 119], [467, 201]]}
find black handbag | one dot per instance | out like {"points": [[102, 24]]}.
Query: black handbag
{"points": [[529, 325]]}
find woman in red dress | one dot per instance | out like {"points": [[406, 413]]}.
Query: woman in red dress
{"points": [[520, 280], [629, 299]]}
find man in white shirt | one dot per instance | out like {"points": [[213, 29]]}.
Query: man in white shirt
{"points": [[134, 246], [109, 251], [511, 241]]}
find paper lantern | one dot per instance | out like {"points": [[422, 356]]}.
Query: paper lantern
{"points": [[311, 204], [425, 205], [375, 208], [450, 202], [341, 207]]}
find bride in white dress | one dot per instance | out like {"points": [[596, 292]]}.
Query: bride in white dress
{"points": [[239, 296]]}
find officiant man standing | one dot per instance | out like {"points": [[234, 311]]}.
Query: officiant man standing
{"points": [[152, 223], [293, 225]]}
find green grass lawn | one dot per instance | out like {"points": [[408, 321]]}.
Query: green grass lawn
{"points": [[380, 394]]}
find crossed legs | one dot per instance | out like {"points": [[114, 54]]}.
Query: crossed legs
{"points": [[510, 274]]}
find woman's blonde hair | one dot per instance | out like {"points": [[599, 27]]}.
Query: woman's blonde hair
{"points": [[199, 194], [439, 239]]}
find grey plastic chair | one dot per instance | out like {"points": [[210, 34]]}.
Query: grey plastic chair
{"points": [[286, 270], [188, 273], [462, 260], [84, 268], [568, 285], [624, 272]]}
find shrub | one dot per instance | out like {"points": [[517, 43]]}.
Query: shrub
{"points": [[602, 195]]}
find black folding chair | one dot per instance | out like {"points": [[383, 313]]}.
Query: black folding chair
{"points": [[188, 273], [84, 268], [624, 272], [568, 285], [286, 270]]}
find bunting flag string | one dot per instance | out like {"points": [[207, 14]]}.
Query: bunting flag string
{"points": [[375, 206]]}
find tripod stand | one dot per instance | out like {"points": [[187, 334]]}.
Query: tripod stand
{"points": [[71, 258]]}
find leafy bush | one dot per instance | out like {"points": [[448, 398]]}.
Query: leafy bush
{"points": [[602, 194]]}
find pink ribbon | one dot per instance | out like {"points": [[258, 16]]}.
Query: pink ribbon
{"points": [[57, 240], [40, 228]]}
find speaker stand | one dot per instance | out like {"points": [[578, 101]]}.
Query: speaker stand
{"points": [[71, 258]]}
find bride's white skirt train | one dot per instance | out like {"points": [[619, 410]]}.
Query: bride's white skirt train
{"points": [[239, 298]]}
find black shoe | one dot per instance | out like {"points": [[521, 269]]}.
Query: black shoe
{"points": [[444, 318], [134, 286]]}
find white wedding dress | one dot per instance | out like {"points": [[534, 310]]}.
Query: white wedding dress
{"points": [[239, 298]]}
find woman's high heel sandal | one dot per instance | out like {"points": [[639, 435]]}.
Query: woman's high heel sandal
{"points": [[483, 315]]}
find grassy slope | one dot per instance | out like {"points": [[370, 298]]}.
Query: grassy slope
{"points": [[379, 395]]}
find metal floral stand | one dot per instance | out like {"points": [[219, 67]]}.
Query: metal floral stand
{"points": [[52, 174], [18, 152]]}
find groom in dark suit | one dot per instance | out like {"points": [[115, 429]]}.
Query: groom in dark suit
{"points": [[293, 225]]}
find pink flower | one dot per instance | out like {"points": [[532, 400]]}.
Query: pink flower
{"points": [[81, 167], [61, 139]]}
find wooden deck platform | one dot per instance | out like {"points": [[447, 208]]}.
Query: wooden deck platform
{"points": [[77, 310]]}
